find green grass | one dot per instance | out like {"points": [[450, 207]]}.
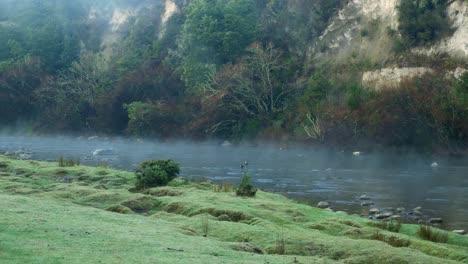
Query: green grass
{"points": [[79, 214]]}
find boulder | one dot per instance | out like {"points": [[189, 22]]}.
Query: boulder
{"points": [[369, 203], [396, 217], [364, 197], [435, 221], [460, 232], [400, 209], [99, 152], [226, 144], [383, 216], [374, 211], [323, 205]]}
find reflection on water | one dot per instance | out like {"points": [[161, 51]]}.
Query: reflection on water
{"points": [[313, 175]]}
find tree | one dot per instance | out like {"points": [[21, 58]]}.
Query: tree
{"points": [[215, 32], [254, 88], [423, 21]]}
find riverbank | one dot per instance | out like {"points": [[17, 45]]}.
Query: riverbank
{"points": [[88, 215]]}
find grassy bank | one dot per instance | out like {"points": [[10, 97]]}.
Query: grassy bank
{"points": [[52, 214]]}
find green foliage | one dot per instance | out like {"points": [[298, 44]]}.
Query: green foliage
{"points": [[215, 32], [428, 233], [156, 173], [355, 95], [154, 119], [315, 93], [423, 21], [245, 188]]}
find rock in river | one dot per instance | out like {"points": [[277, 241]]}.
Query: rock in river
{"points": [[374, 211], [435, 221], [99, 152], [383, 216], [369, 203], [323, 205], [364, 197], [460, 232]]}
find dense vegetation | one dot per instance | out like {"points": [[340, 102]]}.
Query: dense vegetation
{"points": [[421, 22], [236, 70]]}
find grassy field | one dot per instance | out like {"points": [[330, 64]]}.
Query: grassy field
{"points": [[51, 214]]}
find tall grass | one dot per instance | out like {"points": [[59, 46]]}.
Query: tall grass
{"points": [[429, 233]]}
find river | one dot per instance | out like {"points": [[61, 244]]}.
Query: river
{"points": [[390, 180]]}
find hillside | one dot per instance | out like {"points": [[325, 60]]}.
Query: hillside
{"points": [[88, 215], [342, 73]]}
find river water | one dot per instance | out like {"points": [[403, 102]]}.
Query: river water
{"points": [[340, 178]]}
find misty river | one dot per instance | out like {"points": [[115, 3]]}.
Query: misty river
{"points": [[340, 178]]}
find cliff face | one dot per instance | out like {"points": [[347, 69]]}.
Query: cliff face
{"points": [[360, 31], [363, 25]]}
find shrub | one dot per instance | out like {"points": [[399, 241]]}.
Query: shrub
{"points": [[422, 22], [428, 233], [156, 173], [245, 187]]}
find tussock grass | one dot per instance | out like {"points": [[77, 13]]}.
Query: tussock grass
{"points": [[429, 233], [392, 226]]}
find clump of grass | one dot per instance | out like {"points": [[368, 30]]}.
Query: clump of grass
{"points": [[205, 225], [280, 245], [223, 187], [428, 233], [68, 162], [392, 226]]}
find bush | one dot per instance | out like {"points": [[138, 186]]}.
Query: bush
{"points": [[245, 187], [428, 233], [156, 173], [423, 22]]}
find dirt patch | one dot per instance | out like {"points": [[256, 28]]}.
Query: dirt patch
{"points": [[163, 192], [3, 166], [393, 241], [235, 216], [350, 223], [120, 209], [247, 247], [142, 204]]}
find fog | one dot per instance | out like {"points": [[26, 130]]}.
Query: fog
{"points": [[390, 179]]}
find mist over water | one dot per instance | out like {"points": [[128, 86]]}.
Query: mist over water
{"points": [[390, 180]]}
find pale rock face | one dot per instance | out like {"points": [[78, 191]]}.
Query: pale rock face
{"points": [[170, 9], [458, 43], [389, 78], [347, 18], [120, 17], [457, 73], [385, 10]]}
